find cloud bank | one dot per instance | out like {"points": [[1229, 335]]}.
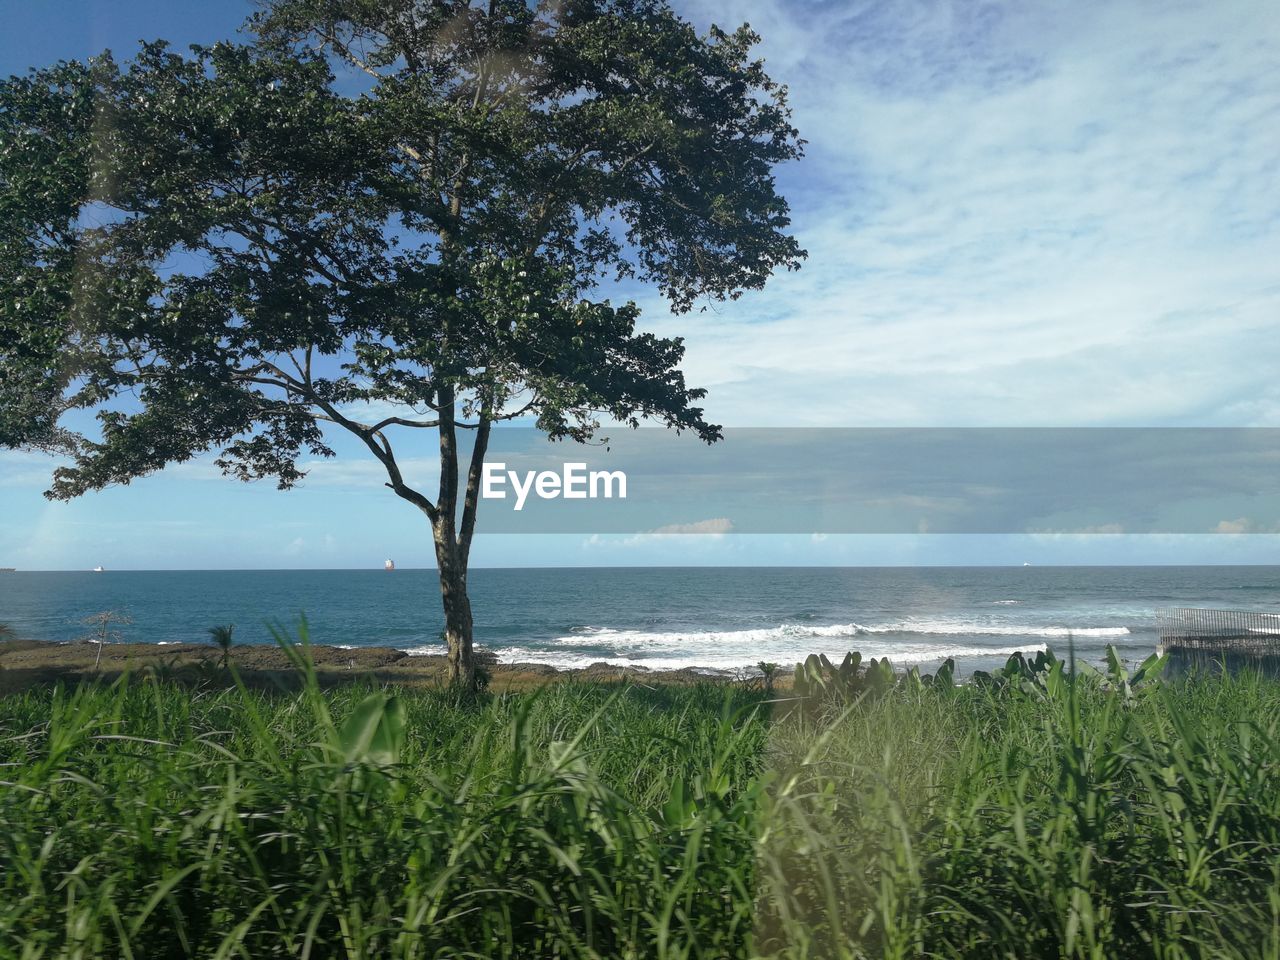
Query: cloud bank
{"points": [[1050, 213]]}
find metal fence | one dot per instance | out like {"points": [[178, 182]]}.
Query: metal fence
{"points": [[1219, 639], [1192, 625]]}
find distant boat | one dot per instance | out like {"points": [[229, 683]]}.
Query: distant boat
{"points": [[389, 565], [1025, 564], [8, 569], [97, 570]]}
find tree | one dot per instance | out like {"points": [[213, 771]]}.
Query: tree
{"points": [[222, 635], [384, 218], [768, 670], [103, 632]]}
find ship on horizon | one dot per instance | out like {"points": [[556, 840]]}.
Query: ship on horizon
{"points": [[388, 565]]}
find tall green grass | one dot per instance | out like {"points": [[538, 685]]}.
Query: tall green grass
{"points": [[142, 821], [1074, 818]]}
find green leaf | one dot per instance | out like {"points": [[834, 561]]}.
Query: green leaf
{"points": [[678, 808], [374, 732], [1150, 669], [1115, 668], [1054, 683]]}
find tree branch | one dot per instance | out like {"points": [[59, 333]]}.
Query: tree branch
{"points": [[402, 422], [475, 471], [447, 497], [380, 447]]}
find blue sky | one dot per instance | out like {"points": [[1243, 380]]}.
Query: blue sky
{"points": [[1058, 214]]}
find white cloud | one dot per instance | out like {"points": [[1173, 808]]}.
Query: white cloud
{"points": [[1239, 525], [363, 472], [716, 526], [696, 535], [25, 469], [1089, 530], [1016, 213]]}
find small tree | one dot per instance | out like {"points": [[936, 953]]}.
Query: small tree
{"points": [[379, 218], [103, 630], [221, 636], [768, 671]]}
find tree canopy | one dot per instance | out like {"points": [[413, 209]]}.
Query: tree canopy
{"points": [[377, 215], [246, 242]]}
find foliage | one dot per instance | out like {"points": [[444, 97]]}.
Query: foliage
{"points": [[1022, 820], [1003, 818], [581, 821], [378, 218], [222, 636], [819, 684], [437, 236], [769, 672], [1019, 670]]}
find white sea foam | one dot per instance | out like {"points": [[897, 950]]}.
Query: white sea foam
{"points": [[978, 629], [902, 654], [790, 632], [908, 641]]}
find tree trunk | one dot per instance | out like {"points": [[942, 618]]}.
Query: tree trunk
{"points": [[453, 543], [457, 608]]}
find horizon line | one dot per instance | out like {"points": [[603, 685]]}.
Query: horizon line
{"points": [[646, 566]]}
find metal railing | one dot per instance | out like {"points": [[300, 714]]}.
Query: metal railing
{"points": [[1191, 626], [1197, 638]]}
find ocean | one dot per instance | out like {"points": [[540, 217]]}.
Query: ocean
{"points": [[720, 618]]}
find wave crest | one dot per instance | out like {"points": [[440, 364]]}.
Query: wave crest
{"points": [[792, 631]]}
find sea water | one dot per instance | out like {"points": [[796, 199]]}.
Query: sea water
{"points": [[723, 618]]}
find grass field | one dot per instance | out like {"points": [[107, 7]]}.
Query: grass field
{"points": [[1046, 815]]}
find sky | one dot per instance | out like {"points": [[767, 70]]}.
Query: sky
{"points": [[1017, 214]]}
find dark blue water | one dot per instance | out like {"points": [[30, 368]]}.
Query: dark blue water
{"points": [[661, 617]]}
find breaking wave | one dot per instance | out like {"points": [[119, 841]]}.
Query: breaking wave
{"points": [[601, 636], [905, 642], [722, 660]]}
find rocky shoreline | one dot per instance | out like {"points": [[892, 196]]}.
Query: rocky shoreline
{"points": [[26, 663]]}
